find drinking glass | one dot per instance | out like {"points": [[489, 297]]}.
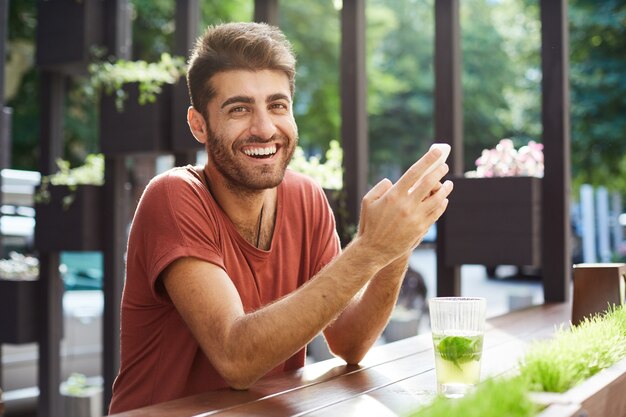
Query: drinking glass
{"points": [[458, 328]]}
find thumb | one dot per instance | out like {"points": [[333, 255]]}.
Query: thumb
{"points": [[378, 190], [372, 195]]}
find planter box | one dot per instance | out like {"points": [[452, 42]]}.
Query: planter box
{"points": [[494, 221], [89, 404], [138, 128], [66, 31], [19, 308], [602, 395], [74, 228]]}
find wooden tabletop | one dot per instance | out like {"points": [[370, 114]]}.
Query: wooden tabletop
{"points": [[392, 380]]}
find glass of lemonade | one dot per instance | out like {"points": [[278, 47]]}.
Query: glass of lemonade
{"points": [[458, 328]]}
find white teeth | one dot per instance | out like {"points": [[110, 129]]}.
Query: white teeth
{"points": [[261, 151]]}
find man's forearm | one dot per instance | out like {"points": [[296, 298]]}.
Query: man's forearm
{"points": [[362, 322], [260, 340]]}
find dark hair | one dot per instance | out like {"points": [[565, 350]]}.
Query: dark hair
{"points": [[232, 46]]}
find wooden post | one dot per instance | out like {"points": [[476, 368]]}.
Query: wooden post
{"points": [[448, 120], [266, 11], [187, 22], [113, 256], [353, 92], [51, 288], [556, 253], [118, 37], [4, 12]]}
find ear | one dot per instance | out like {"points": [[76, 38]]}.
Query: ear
{"points": [[197, 125]]}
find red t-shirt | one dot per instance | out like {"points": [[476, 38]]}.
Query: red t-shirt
{"points": [[177, 217]]}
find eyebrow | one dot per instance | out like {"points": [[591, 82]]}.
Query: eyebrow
{"points": [[237, 99], [250, 100]]}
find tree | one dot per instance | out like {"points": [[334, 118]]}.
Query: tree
{"points": [[598, 91]]}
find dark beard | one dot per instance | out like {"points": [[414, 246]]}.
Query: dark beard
{"points": [[243, 178]]}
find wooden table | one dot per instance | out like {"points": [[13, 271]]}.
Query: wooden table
{"points": [[393, 379]]}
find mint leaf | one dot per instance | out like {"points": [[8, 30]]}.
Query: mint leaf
{"points": [[459, 349]]}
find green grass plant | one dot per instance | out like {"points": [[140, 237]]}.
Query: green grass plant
{"points": [[493, 398], [576, 353]]}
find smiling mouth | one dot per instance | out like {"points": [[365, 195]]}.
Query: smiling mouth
{"points": [[259, 152]]}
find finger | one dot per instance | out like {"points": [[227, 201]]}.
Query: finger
{"points": [[435, 201], [423, 188], [374, 194], [416, 171]]}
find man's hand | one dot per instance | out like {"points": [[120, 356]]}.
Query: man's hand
{"points": [[394, 218]]}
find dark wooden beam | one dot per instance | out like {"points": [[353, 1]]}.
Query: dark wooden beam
{"points": [[556, 253], [4, 148], [114, 233], [353, 91], [51, 288], [187, 23], [6, 114], [266, 11], [448, 120], [118, 28], [119, 42]]}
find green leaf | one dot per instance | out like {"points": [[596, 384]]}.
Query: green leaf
{"points": [[459, 349]]}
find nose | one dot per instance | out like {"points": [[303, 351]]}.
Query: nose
{"points": [[262, 125]]}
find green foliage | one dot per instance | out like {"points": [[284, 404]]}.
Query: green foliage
{"points": [[576, 354], [329, 174], [400, 84], [493, 398], [110, 77], [313, 29], [91, 173], [598, 88]]}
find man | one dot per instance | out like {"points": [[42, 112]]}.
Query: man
{"points": [[234, 267]]}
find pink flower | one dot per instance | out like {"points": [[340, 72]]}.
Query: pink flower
{"points": [[505, 161]]}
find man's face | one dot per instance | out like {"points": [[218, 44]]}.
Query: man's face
{"points": [[252, 134]]}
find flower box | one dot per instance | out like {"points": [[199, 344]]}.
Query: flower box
{"points": [[74, 227], [19, 308], [598, 396], [494, 221], [86, 404], [137, 128], [66, 32]]}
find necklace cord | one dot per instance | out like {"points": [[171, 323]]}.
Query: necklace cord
{"points": [[258, 232]]}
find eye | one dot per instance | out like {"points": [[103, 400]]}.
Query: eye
{"points": [[279, 106], [238, 109]]}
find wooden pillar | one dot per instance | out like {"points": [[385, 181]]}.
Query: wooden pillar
{"points": [[6, 114], [113, 257], [51, 286], [266, 11], [118, 39], [353, 90], [4, 149], [187, 20], [448, 120], [556, 253]]}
